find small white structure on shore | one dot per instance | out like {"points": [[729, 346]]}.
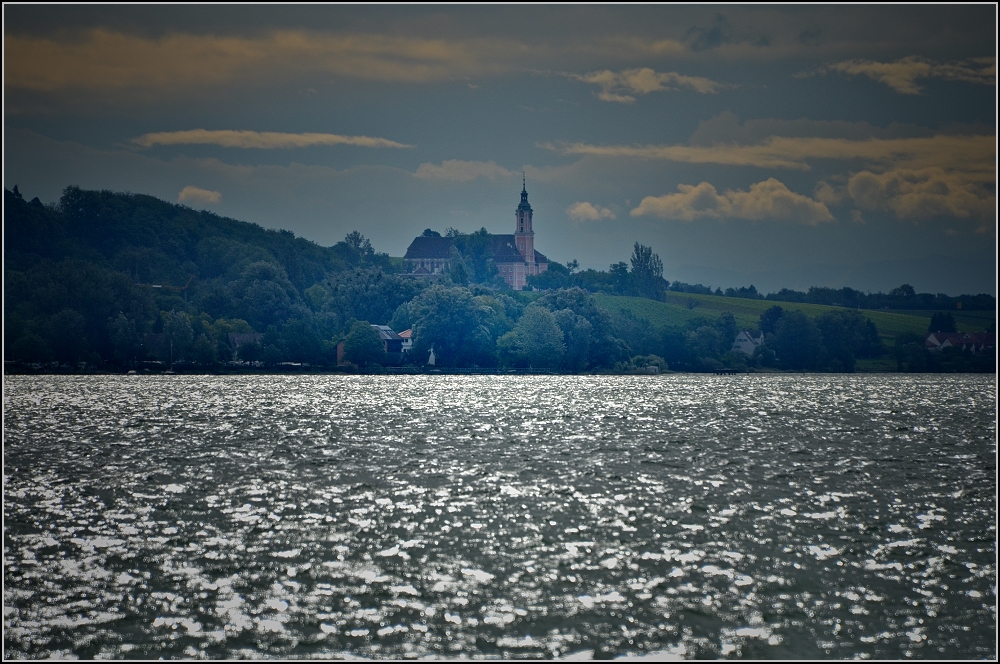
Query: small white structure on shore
{"points": [[746, 343], [430, 358], [407, 337]]}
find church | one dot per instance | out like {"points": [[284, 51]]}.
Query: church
{"points": [[515, 255]]}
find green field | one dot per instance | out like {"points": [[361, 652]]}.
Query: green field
{"points": [[965, 321], [680, 309]]}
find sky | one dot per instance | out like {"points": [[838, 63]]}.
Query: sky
{"points": [[784, 147]]}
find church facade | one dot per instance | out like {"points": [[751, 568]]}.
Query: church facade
{"points": [[515, 255]]}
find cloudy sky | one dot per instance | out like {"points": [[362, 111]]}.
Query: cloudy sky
{"points": [[779, 146]]}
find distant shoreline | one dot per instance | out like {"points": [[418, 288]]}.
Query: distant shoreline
{"points": [[414, 371]]}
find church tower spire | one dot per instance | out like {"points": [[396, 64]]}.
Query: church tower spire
{"points": [[524, 236]]}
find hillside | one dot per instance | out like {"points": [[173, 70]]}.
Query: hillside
{"points": [[113, 281], [685, 309], [91, 278], [965, 321], [154, 241]]}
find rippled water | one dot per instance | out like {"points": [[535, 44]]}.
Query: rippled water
{"points": [[780, 516]]}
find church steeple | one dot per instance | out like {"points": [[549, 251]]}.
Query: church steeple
{"points": [[524, 236]]}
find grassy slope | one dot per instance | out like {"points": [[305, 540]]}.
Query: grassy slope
{"points": [[681, 308], [965, 321]]}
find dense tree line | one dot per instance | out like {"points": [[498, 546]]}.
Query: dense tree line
{"points": [[645, 279], [115, 280], [565, 329], [834, 340], [642, 276], [903, 297]]}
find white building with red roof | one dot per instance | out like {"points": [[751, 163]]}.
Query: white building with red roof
{"points": [[975, 342]]}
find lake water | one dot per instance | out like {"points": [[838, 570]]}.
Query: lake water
{"points": [[678, 516]]}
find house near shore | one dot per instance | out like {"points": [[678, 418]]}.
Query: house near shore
{"points": [[392, 343], [514, 254], [407, 337], [974, 342], [746, 342]]}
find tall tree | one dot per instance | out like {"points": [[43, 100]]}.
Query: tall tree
{"points": [[605, 349], [647, 271], [536, 340], [362, 345], [620, 277], [726, 325], [769, 319], [703, 346], [359, 243], [577, 332], [942, 322], [798, 342], [453, 323]]}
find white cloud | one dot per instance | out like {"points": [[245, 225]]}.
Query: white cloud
{"points": [[974, 154], [621, 86], [922, 194], [768, 200], [726, 127], [827, 194], [455, 170], [914, 177], [104, 60], [584, 211], [191, 194], [267, 140], [902, 75]]}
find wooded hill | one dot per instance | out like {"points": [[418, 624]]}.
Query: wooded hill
{"points": [[113, 279], [98, 255]]}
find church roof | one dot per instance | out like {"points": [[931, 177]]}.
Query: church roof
{"points": [[504, 249], [430, 247]]}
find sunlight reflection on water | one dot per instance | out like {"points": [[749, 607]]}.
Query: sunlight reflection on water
{"points": [[802, 516]]}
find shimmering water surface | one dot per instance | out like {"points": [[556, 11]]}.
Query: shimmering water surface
{"points": [[813, 516]]}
